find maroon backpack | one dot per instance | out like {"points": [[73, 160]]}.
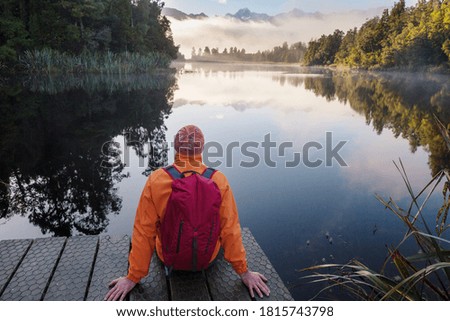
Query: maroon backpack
{"points": [[191, 225]]}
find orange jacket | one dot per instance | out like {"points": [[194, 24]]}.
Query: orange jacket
{"points": [[151, 210]]}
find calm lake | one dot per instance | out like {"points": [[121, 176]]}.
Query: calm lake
{"points": [[75, 154]]}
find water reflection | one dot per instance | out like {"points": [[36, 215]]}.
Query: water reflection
{"points": [[56, 133], [404, 104], [52, 134]]}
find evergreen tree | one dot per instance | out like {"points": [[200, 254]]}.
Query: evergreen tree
{"points": [[403, 36], [14, 37], [75, 26]]}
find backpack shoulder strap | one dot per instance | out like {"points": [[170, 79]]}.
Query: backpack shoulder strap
{"points": [[209, 172], [173, 172]]}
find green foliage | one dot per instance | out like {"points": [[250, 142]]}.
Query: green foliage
{"points": [[446, 48], [401, 37], [285, 54], [344, 55], [323, 51], [75, 27], [13, 35], [48, 61]]}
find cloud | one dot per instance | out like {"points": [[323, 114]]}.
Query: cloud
{"points": [[222, 1], [220, 32], [335, 6]]}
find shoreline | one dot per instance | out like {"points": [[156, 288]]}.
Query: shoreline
{"points": [[340, 68]]}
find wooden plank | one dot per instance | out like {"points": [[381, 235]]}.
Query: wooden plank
{"points": [[188, 286], [224, 283], [12, 253], [71, 277], [111, 263], [36, 270], [154, 286], [31, 279], [258, 261]]}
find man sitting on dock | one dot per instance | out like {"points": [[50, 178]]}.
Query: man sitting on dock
{"points": [[149, 226]]}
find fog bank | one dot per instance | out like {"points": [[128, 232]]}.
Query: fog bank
{"points": [[220, 32]]}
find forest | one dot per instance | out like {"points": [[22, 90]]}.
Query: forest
{"points": [[401, 37], [281, 54], [65, 29], [123, 36]]}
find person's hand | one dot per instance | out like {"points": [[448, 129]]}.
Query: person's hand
{"points": [[255, 282], [120, 288]]}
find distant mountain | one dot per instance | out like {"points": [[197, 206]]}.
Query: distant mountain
{"points": [[247, 15], [297, 13], [180, 15], [242, 15]]}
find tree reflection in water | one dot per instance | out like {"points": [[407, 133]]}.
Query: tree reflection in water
{"points": [[52, 132], [402, 102]]}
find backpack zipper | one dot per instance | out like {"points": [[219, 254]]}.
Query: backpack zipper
{"points": [[180, 230], [210, 237]]}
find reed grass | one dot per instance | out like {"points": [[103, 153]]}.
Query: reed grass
{"points": [[424, 276], [48, 61], [92, 83]]}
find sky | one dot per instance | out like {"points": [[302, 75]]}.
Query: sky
{"points": [[271, 7]]}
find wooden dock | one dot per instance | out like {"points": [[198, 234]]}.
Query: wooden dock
{"points": [[80, 268]]}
